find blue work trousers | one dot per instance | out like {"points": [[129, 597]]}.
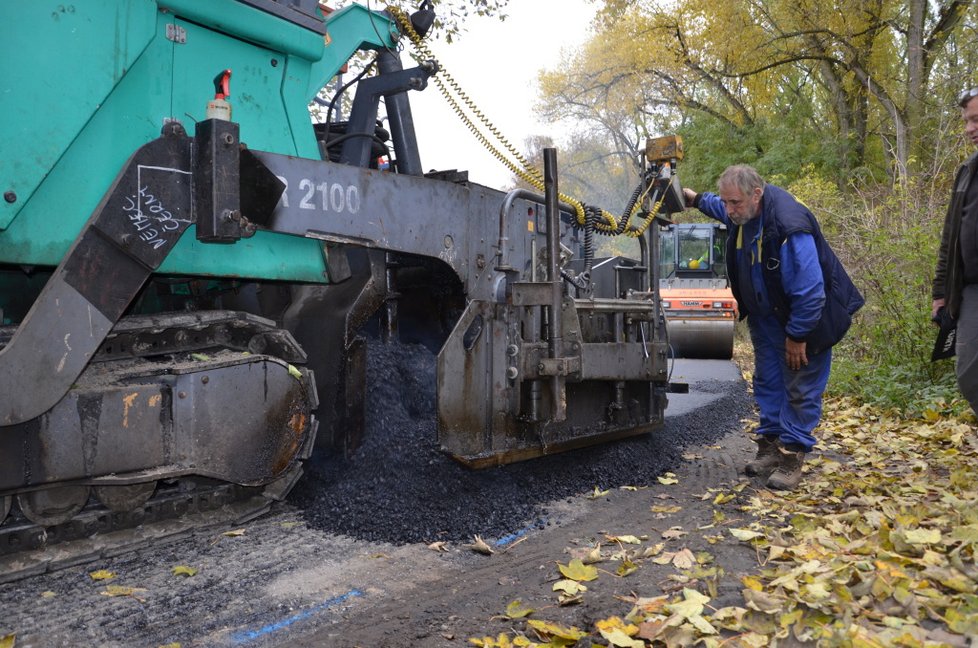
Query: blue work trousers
{"points": [[790, 401]]}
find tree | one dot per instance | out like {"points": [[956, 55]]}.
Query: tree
{"points": [[450, 15], [868, 75]]}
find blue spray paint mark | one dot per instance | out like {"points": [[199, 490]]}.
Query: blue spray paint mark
{"points": [[516, 535], [246, 636]]}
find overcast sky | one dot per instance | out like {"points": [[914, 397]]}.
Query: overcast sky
{"points": [[496, 64]]}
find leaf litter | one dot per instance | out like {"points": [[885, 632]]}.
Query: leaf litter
{"points": [[880, 548]]}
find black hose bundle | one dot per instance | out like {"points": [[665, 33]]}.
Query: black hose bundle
{"points": [[626, 216]]}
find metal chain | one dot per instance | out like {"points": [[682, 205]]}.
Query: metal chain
{"points": [[525, 172]]}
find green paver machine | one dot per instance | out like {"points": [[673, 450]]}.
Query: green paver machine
{"points": [[188, 264]]}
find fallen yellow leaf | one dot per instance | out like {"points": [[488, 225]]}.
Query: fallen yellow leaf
{"points": [[568, 586], [515, 610], [684, 559], [593, 556], [763, 602], [745, 535], [556, 631], [752, 583], [102, 574], [564, 600], [673, 532], [723, 498], [577, 570], [923, 536], [621, 640], [664, 558], [183, 570], [654, 550], [479, 546], [120, 590], [626, 567]]}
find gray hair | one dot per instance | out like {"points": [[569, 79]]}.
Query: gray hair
{"points": [[742, 177], [965, 97]]}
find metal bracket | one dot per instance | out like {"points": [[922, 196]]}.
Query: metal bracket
{"points": [[176, 33], [134, 227], [559, 366], [528, 293], [677, 388], [217, 172]]}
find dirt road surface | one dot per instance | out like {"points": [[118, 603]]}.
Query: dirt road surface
{"points": [[300, 576]]}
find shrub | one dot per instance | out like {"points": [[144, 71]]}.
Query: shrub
{"points": [[887, 239]]}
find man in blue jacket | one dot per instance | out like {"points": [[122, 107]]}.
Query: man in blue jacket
{"points": [[798, 301]]}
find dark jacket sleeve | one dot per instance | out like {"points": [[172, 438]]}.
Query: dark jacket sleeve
{"points": [[946, 255], [938, 290]]}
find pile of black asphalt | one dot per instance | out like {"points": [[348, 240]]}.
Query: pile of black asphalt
{"points": [[398, 487]]}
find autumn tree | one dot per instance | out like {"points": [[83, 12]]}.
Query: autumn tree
{"points": [[862, 79]]}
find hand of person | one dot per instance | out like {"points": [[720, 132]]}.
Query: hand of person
{"points": [[689, 195], [795, 355], [937, 305]]}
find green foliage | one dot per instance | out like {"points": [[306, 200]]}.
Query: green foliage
{"points": [[811, 188], [773, 147], [908, 389], [887, 240], [712, 146]]}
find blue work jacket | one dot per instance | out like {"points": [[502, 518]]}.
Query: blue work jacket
{"points": [[795, 275]]}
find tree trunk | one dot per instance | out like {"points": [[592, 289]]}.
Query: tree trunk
{"points": [[916, 72]]}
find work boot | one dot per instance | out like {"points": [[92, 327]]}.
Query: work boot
{"points": [[788, 473], [768, 456]]}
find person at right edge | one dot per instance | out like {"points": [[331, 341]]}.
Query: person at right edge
{"points": [[956, 277], [799, 303]]}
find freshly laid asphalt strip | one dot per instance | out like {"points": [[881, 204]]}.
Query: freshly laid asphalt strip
{"points": [[399, 488]]}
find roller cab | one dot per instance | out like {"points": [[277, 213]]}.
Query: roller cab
{"points": [[700, 307]]}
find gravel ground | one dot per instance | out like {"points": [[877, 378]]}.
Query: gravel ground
{"points": [[399, 488]]}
